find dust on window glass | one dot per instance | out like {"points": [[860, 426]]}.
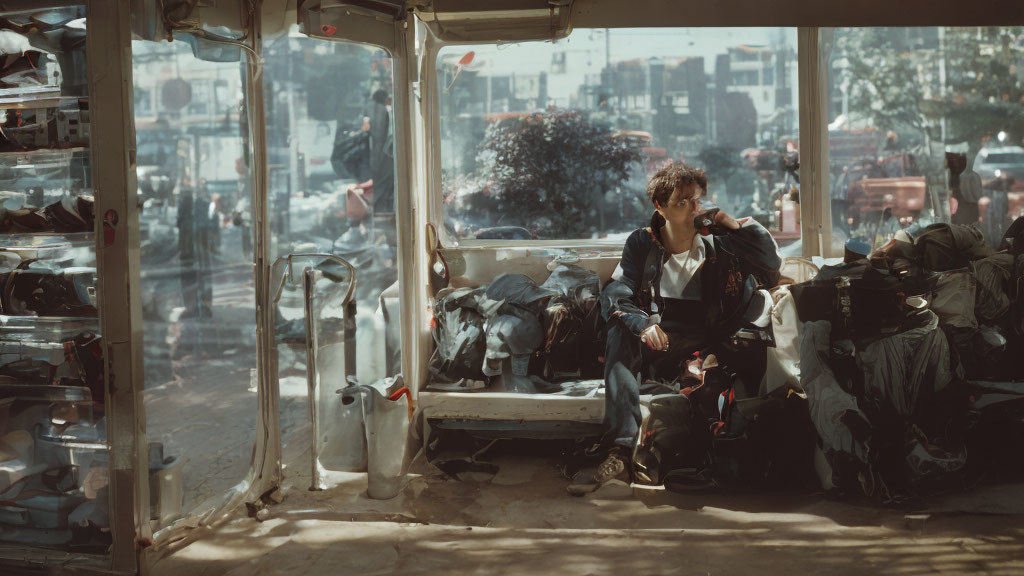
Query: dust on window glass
{"points": [[556, 140]]}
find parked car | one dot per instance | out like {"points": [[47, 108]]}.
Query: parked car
{"points": [[1001, 163]]}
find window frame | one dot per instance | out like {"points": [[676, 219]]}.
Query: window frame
{"points": [[430, 109], [815, 30]]}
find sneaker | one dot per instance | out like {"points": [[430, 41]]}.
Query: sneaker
{"points": [[615, 466], [589, 479], [583, 482]]}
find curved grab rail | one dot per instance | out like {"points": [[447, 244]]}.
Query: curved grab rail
{"points": [[310, 274], [289, 275]]}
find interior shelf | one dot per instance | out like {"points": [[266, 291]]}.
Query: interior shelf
{"points": [[26, 241], [30, 154], [45, 328], [34, 97]]}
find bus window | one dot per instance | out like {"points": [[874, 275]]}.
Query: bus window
{"points": [[917, 134], [556, 140]]}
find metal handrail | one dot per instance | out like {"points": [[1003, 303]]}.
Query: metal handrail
{"points": [[324, 255], [310, 274]]}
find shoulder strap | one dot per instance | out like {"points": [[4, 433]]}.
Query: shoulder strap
{"points": [[650, 260]]}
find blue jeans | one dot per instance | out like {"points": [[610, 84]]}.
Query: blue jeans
{"points": [[627, 361]]}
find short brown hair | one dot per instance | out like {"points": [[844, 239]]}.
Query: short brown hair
{"points": [[676, 174]]}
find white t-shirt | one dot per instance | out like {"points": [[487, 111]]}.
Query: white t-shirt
{"points": [[680, 269]]}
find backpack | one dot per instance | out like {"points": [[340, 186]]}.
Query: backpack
{"points": [[1015, 291], [941, 247], [1013, 238], [672, 440], [766, 442], [459, 336], [859, 300], [574, 328], [351, 155]]}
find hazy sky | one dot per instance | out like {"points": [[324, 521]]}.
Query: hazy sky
{"points": [[628, 44], [586, 51]]}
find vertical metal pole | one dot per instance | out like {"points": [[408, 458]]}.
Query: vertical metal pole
{"points": [[108, 46], [348, 321], [267, 467], [309, 277], [815, 201], [408, 219], [942, 82]]}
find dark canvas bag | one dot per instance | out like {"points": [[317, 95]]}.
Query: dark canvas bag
{"points": [[1013, 238], [767, 442], [859, 299], [574, 328], [459, 338], [941, 247], [673, 438]]}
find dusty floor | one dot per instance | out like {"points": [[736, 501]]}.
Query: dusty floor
{"points": [[522, 522]]}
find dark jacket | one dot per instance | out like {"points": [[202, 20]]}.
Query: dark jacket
{"points": [[736, 263]]}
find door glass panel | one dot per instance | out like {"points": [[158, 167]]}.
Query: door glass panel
{"points": [[923, 128], [54, 456], [330, 140], [198, 296]]}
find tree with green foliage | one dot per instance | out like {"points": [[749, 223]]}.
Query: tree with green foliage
{"points": [[898, 85], [720, 162], [984, 93], [883, 82], [549, 172]]}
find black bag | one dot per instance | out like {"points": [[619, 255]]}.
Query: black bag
{"points": [[995, 434], [574, 338], [459, 337], [27, 291], [673, 439], [1015, 291], [351, 155], [941, 247], [767, 442], [573, 325], [1013, 238], [859, 300]]}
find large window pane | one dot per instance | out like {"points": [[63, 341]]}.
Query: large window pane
{"points": [[906, 105], [330, 139], [556, 140], [199, 304]]}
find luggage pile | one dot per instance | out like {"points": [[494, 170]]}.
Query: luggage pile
{"points": [[899, 376], [518, 336], [904, 356], [704, 431]]}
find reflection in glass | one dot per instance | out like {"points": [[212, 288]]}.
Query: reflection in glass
{"points": [[330, 140], [199, 302]]}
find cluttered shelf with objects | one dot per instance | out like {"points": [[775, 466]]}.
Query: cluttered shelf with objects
{"points": [[894, 372], [54, 456]]}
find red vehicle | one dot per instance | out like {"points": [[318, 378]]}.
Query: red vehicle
{"points": [[905, 195]]}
